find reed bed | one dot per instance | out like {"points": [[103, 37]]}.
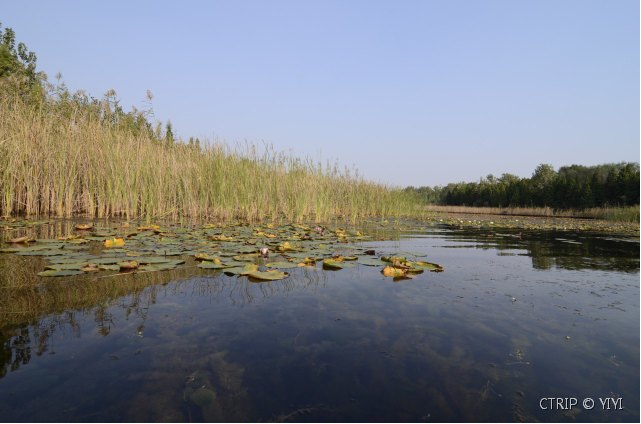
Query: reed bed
{"points": [[620, 214], [67, 164]]}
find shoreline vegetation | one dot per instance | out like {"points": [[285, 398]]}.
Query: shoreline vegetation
{"points": [[617, 214], [67, 154], [58, 158]]}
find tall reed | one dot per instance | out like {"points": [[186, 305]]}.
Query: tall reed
{"points": [[63, 163]]}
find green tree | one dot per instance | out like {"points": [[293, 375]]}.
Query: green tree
{"points": [[18, 66]]}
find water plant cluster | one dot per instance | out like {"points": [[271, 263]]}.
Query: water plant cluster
{"points": [[260, 252]]}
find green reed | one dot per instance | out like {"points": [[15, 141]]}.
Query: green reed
{"points": [[71, 163]]}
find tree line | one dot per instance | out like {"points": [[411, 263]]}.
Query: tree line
{"points": [[571, 187], [21, 83]]}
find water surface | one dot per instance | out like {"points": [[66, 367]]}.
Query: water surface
{"points": [[515, 317]]}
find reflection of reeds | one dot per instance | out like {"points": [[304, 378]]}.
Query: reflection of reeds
{"points": [[25, 298], [65, 164]]}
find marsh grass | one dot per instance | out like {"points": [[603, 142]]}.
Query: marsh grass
{"points": [[65, 161], [619, 214]]}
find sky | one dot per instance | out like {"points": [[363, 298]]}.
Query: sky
{"points": [[418, 93]]}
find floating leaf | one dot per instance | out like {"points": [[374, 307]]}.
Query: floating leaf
{"points": [[428, 266], [286, 246], [159, 266], [268, 275], [241, 270], [90, 268], [211, 265], [390, 271], [77, 241], [371, 261], [83, 226], [58, 273], [105, 261], [246, 249], [42, 252], [282, 265], [307, 262], [206, 257], [68, 266], [126, 265], [114, 242], [169, 252], [109, 267], [248, 257], [335, 264]]}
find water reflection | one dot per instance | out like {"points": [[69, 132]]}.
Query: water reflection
{"points": [[550, 249], [195, 345]]}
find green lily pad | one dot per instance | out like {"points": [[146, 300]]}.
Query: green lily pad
{"points": [[154, 260], [428, 266], [270, 275], [241, 270], [247, 249], [59, 273], [282, 265], [105, 261], [248, 257], [371, 261], [334, 264], [211, 265], [159, 266], [109, 267], [68, 266], [43, 253]]}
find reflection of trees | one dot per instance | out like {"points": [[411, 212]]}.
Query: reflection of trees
{"points": [[550, 249]]}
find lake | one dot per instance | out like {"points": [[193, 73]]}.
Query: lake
{"points": [[519, 327]]}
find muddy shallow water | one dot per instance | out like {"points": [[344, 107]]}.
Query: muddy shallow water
{"points": [[514, 319]]}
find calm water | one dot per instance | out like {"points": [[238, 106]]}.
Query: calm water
{"points": [[512, 320]]}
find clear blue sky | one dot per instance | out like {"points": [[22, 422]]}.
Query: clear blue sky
{"points": [[408, 92]]}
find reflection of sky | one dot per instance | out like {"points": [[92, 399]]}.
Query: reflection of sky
{"points": [[350, 345]]}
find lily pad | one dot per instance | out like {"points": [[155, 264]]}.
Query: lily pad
{"points": [[105, 261], [390, 271], [59, 273], [249, 268], [211, 265], [248, 257], [428, 266], [270, 275], [282, 265], [114, 242], [159, 266], [126, 265], [371, 261], [68, 266], [335, 264]]}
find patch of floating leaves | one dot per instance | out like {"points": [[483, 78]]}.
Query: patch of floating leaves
{"points": [[259, 252]]}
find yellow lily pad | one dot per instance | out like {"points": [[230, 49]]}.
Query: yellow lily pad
{"points": [[114, 242]]}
